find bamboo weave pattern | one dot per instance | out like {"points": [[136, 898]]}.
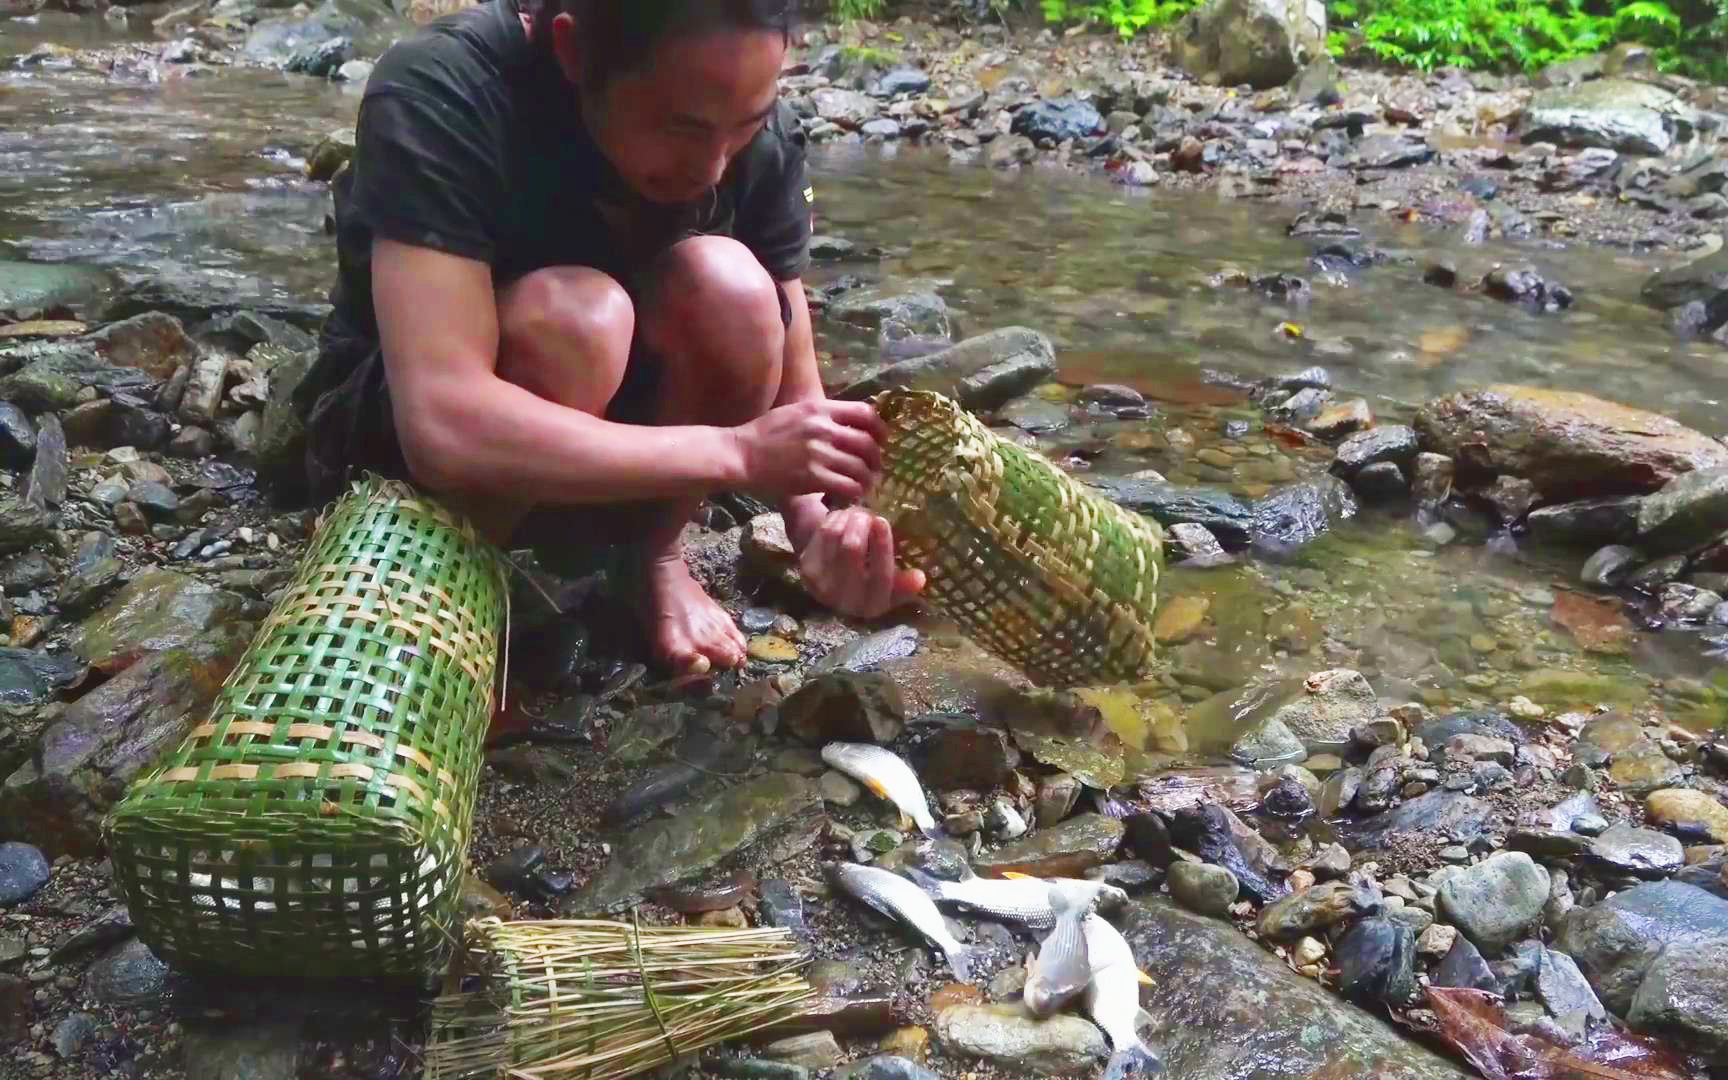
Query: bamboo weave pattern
{"points": [[1054, 579], [317, 822]]}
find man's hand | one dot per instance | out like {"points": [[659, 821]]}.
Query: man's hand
{"points": [[812, 447], [847, 563]]}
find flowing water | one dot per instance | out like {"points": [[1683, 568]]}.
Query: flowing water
{"points": [[200, 178]]}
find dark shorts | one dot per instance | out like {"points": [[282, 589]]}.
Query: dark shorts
{"points": [[351, 430]]}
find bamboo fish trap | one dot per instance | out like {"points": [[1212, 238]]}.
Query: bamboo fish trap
{"points": [[1054, 579], [604, 1000], [317, 822]]}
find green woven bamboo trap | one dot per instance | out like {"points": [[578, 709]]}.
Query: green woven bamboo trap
{"points": [[606, 1000], [1056, 580], [317, 822]]}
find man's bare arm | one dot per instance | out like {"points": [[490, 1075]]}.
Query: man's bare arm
{"points": [[465, 430]]}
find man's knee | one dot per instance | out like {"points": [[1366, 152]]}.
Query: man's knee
{"points": [[714, 283], [565, 332]]}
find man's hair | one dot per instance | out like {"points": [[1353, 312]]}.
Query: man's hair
{"points": [[619, 36]]}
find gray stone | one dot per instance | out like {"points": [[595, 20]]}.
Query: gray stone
{"points": [[1619, 114], [903, 80], [1284, 1026], [893, 310], [1035, 416], [45, 486], [128, 977], [1699, 281], [1263, 43], [1270, 742], [157, 610], [17, 437], [815, 1051], [281, 435], [983, 373], [885, 1067], [847, 108], [1685, 996], [28, 288], [204, 390], [95, 572], [838, 789], [1587, 522], [1642, 853], [29, 678], [1615, 942], [1058, 120], [22, 573], [1327, 705], [1562, 988], [23, 871], [1302, 512], [258, 1050], [881, 128], [1204, 888], [158, 501], [870, 652], [1009, 1036], [1069, 850], [1497, 901], [1195, 542], [1226, 516], [1609, 566], [1381, 482], [847, 706], [72, 1033], [1314, 909], [56, 379], [1688, 603], [1691, 510], [1449, 814]]}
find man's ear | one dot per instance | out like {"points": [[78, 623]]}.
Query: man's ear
{"points": [[567, 47]]}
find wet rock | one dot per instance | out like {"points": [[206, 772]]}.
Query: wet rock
{"points": [[1563, 990], [1204, 888], [967, 758], [128, 977], [1058, 120], [55, 381], [157, 610], [17, 437], [815, 1051], [1570, 445], [122, 420], [1005, 821], [1195, 543], [1699, 281], [265, 1049], [84, 761], [72, 1033], [321, 60], [665, 851], [781, 905], [1035, 416], [1640, 853], [1609, 566], [1652, 576], [1216, 835], [157, 501], [197, 303], [1497, 901], [846, 706], [1683, 807], [1149, 838], [1464, 967], [1300, 407], [1339, 792], [281, 435], [1586, 523], [153, 342], [1009, 1036], [1376, 961], [1226, 516], [640, 734], [1342, 419], [896, 310], [1216, 979], [27, 288], [1389, 150], [1690, 510], [1314, 909], [870, 652], [95, 572], [847, 108], [1269, 742], [1381, 483], [23, 870], [1068, 850], [887, 1067], [1616, 942], [1327, 705], [1618, 114], [1057, 794], [1685, 996], [1688, 603], [838, 789], [983, 373], [1523, 285], [45, 487], [1645, 768], [1263, 43], [204, 390], [28, 677], [1302, 512]]}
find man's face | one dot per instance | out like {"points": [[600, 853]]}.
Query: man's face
{"points": [[672, 127]]}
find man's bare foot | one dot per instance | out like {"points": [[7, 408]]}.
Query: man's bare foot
{"points": [[689, 630]]}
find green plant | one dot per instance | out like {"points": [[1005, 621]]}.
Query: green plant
{"points": [[848, 10], [1129, 17]]}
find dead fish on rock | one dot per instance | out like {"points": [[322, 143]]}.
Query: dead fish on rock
{"points": [[1064, 966], [885, 774], [1112, 1000], [899, 899], [1018, 898]]}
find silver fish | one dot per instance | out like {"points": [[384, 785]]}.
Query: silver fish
{"points": [[1017, 898], [1063, 967], [899, 899], [1112, 1000], [887, 776]]}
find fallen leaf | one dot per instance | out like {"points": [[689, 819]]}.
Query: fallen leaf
{"points": [[1290, 329], [1444, 341], [1474, 1023], [1598, 625]]}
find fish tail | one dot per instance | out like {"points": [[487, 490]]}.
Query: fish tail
{"points": [[1134, 1060], [960, 959]]}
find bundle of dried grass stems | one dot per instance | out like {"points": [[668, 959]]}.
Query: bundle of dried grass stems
{"points": [[600, 1000]]}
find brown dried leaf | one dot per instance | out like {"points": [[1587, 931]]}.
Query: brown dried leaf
{"points": [[1474, 1023], [1598, 625]]}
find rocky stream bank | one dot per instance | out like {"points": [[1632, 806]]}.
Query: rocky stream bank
{"points": [[1442, 700]]}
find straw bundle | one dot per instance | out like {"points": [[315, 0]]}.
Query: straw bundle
{"points": [[317, 822], [1051, 577], [602, 1000]]}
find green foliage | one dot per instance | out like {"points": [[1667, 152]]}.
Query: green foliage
{"points": [[859, 9], [1129, 17]]}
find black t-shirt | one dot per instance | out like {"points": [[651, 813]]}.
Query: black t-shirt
{"points": [[469, 141]]}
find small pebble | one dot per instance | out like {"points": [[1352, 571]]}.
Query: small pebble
{"points": [[1437, 940], [1455, 853], [1308, 951]]}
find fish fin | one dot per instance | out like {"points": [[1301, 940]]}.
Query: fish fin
{"points": [[1145, 979], [877, 786], [960, 959], [924, 879], [1133, 1061], [1142, 1018], [1015, 875]]}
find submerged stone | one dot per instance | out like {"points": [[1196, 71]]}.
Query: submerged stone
{"points": [[1008, 1035], [1617, 941], [1069, 850]]}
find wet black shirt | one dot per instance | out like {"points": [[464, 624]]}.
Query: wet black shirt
{"points": [[469, 141]]}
